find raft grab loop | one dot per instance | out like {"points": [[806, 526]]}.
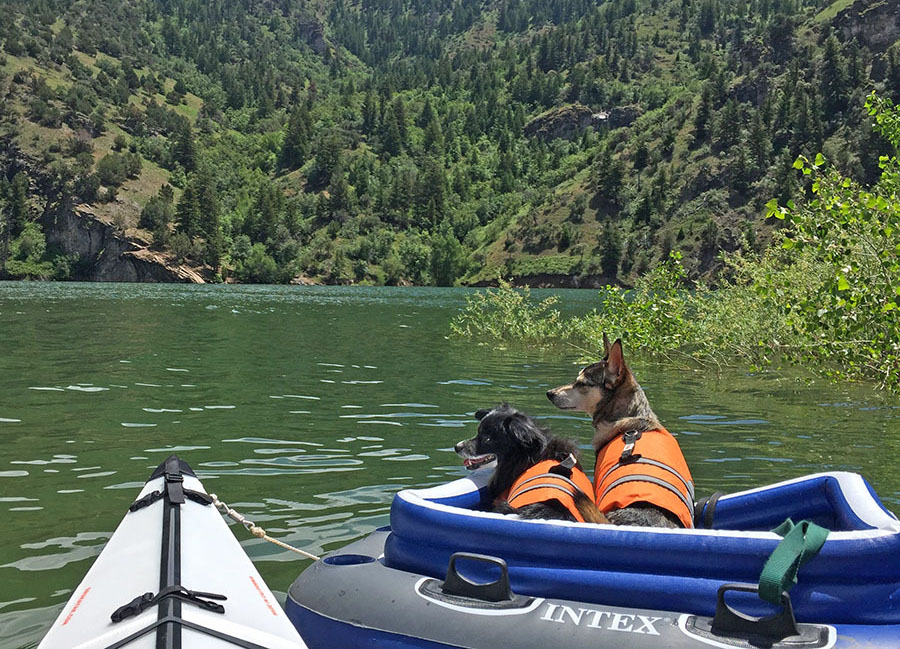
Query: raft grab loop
{"points": [[460, 586], [729, 621], [801, 543]]}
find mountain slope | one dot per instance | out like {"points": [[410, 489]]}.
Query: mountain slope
{"points": [[387, 141]]}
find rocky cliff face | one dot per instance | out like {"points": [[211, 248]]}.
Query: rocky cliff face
{"points": [[106, 255], [874, 23], [565, 121]]}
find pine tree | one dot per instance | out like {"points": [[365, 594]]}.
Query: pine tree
{"points": [[187, 213], [834, 76], [728, 125], [447, 255], [391, 138], [704, 109], [295, 147], [785, 177], [263, 217], [433, 140], [758, 143], [328, 157], [610, 250], [184, 149], [4, 222], [430, 193], [399, 109], [427, 114], [210, 220], [17, 205], [339, 195], [370, 113], [609, 174]]}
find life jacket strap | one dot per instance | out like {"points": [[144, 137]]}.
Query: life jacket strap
{"points": [[646, 478], [554, 479], [524, 490], [688, 485]]}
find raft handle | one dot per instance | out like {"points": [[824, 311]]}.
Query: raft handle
{"points": [[494, 591], [729, 621]]}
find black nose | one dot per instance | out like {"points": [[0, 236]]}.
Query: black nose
{"points": [[549, 394], [458, 446]]}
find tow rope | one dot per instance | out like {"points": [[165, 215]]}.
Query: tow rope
{"points": [[801, 543], [254, 529]]}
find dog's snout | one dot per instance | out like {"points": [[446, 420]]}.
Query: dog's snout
{"points": [[459, 446]]}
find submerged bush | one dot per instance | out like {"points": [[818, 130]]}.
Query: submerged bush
{"points": [[510, 314]]}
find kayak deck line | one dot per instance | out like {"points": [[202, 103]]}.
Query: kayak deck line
{"points": [[180, 622]]}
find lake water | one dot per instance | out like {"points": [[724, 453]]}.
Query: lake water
{"points": [[307, 408]]}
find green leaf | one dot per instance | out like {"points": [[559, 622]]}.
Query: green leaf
{"points": [[773, 209], [798, 163], [820, 160], [843, 284]]}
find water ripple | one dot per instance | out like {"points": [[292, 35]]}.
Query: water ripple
{"points": [[74, 550]]}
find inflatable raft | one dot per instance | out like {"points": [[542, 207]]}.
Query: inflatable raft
{"points": [[172, 576], [447, 573]]}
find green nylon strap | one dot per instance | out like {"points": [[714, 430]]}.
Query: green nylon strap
{"points": [[801, 543]]}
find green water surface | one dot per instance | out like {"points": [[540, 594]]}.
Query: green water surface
{"points": [[307, 408]]}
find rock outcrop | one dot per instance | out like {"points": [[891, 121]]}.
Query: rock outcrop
{"points": [[874, 23], [105, 255], [563, 122], [617, 117], [313, 33]]}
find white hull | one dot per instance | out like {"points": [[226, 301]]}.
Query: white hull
{"points": [[196, 550]]}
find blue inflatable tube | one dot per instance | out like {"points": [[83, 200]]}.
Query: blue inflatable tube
{"points": [[855, 578]]}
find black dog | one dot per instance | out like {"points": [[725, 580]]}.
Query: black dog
{"points": [[537, 475]]}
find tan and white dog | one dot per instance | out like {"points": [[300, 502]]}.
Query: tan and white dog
{"points": [[641, 477]]}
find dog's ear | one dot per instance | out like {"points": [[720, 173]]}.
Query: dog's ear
{"points": [[525, 432], [480, 414], [615, 365], [605, 345]]}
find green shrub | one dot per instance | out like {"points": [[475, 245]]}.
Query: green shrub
{"points": [[509, 314]]}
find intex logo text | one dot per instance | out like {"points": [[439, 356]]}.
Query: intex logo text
{"points": [[595, 619]]}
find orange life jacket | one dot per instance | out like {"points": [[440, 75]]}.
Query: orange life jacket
{"points": [[644, 467], [538, 484]]}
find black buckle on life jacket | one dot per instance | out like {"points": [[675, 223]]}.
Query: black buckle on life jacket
{"points": [[145, 601], [628, 454], [564, 468]]}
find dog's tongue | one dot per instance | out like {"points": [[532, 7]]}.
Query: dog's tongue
{"points": [[472, 463]]}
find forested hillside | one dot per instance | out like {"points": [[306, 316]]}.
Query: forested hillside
{"points": [[427, 142]]}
